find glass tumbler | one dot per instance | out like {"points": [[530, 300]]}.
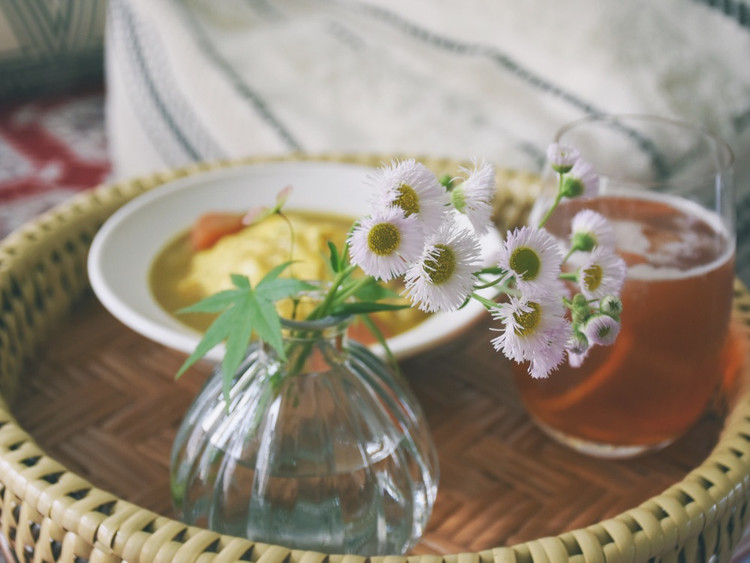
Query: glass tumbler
{"points": [[667, 189]]}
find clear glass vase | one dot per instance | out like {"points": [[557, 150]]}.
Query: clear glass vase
{"points": [[326, 451]]}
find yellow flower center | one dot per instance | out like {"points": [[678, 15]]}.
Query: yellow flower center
{"points": [[525, 263], [527, 322], [441, 267], [383, 239], [407, 199], [592, 277]]}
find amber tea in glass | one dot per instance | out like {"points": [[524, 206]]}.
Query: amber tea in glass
{"points": [[666, 188]]}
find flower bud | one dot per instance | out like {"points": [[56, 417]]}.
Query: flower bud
{"points": [[579, 309], [612, 306], [582, 241], [561, 157], [458, 198], [578, 343], [572, 187], [601, 330]]}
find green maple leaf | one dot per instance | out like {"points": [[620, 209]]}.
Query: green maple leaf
{"points": [[244, 311]]}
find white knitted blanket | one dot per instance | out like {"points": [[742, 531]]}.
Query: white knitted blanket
{"points": [[201, 79]]}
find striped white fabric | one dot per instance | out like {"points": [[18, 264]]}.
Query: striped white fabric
{"points": [[200, 79]]}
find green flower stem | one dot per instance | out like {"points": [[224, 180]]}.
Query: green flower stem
{"points": [[333, 295], [568, 303], [352, 289], [505, 288], [370, 324], [488, 303], [324, 308], [502, 284], [555, 203], [288, 349], [568, 276], [291, 234], [494, 270], [299, 358]]}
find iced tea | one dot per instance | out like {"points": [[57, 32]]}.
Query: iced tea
{"points": [[659, 376]]}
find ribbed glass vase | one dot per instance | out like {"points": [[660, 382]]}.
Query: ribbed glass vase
{"points": [[327, 450]]}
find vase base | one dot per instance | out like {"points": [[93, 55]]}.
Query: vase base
{"points": [[597, 449]]}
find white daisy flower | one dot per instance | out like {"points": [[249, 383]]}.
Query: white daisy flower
{"points": [[443, 278], [601, 330], [562, 157], [535, 331], [541, 365], [413, 188], [385, 244], [590, 229], [601, 274], [533, 257], [576, 360], [474, 196], [581, 180]]}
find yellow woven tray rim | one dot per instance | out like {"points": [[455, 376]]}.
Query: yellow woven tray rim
{"points": [[52, 514]]}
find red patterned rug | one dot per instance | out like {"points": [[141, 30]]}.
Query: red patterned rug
{"points": [[49, 149]]}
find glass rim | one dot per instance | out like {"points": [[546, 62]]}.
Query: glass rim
{"points": [[321, 324], [724, 150], [316, 293]]}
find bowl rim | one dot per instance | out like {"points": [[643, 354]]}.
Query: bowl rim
{"points": [[138, 309]]}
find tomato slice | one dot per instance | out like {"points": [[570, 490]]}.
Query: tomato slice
{"points": [[210, 227]]}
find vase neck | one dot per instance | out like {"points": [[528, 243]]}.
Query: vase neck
{"points": [[314, 346]]}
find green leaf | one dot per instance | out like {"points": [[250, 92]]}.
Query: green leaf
{"points": [[281, 288], [237, 341], [213, 303], [240, 281], [345, 254], [282, 197], [275, 272], [380, 337], [335, 259], [359, 307], [244, 310], [267, 323], [216, 333], [374, 291]]}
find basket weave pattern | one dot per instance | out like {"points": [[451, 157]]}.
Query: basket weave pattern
{"points": [[49, 513]]}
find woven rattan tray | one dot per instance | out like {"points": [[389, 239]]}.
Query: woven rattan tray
{"points": [[89, 409]]}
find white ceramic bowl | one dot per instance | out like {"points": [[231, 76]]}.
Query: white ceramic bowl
{"points": [[124, 248]]}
